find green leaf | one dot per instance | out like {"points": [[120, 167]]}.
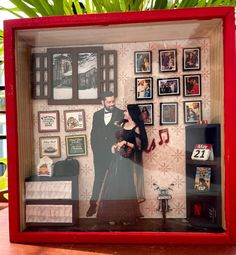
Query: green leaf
{"points": [[67, 6], [24, 8], [98, 6], [58, 7], [11, 11], [201, 3], [116, 5], [47, 7], [87, 6], [77, 7], [160, 4], [187, 3], [123, 5], [40, 9]]}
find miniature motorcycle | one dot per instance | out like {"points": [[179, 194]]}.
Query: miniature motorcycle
{"points": [[163, 198]]}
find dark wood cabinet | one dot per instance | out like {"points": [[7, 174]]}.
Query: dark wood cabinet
{"points": [[204, 207]]}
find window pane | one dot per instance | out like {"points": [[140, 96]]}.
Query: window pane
{"points": [[103, 60], [3, 148], [37, 62], [62, 76], [2, 100], [37, 76], [87, 76], [103, 74], [2, 124], [45, 90], [45, 62], [2, 82], [111, 59], [111, 86], [37, 90], [45, 76], [111, 74]]}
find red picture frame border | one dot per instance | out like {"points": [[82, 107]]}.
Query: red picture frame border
{"points": [[11, 26]]}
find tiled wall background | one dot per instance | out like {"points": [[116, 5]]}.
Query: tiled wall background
{"points": [[166, 163]]}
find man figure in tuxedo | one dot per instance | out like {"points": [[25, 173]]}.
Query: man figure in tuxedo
{"points": [[103, 137]]}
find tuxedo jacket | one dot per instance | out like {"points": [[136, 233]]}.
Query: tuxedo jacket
{"points": [[103, 136]]}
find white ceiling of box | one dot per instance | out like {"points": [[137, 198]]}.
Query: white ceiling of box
{"points": [[137, 32]]}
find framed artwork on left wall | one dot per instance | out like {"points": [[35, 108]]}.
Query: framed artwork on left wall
{"points": [[50, 146], [48, 121]]}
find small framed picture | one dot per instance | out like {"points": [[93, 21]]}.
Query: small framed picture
{"points": [[192, 85], [50, 146], [147, 113], [48, 121], [168, 87], [142, 62], [168, 60], [74, 120], [76, 145], [143, 88], [192, 111], [169, 113], [191, 59]]}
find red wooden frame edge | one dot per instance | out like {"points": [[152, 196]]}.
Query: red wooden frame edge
{"points": [[227, 14]]}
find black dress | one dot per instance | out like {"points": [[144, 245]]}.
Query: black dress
{"points": [[119, 201]]}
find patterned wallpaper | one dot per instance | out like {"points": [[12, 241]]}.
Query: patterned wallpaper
{"points": [[166, 163]]}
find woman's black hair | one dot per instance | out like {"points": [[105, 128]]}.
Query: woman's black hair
{"points": [[135, 115]]}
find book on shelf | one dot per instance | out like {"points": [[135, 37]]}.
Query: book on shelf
{"points": [[202, 178]]}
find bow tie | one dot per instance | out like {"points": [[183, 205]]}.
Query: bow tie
{"points": [[107, 112]]}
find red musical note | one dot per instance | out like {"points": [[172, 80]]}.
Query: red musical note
{"points": [[164, 136], [151, 147]]}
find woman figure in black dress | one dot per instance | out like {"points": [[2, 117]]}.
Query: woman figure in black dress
{"points": [[123, 186]]}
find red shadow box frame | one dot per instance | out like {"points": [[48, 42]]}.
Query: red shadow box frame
{"points": [[14, 134]]}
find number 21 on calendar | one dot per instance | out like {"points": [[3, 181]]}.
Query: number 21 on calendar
{"points": [[203, 152]]}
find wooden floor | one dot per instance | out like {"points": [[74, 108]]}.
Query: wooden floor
{"points": [[7, 248]]}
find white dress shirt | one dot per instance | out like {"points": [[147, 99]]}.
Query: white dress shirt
{"points": [[107, 117]]}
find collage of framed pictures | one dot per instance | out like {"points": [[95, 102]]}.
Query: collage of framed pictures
{"points": [[168, 60], [50, 146], [192, 59], [142, 62], [169, 86], [76, 145], [48, 121], [169, 113], [144, 88], [147, 113], [192, 111], [74, 120]]}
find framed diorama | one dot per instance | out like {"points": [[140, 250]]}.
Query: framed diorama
{"points": [[192, 111], [168, 86], [48, 121], [192, 85], [142, 62], [168, 60], [76, 145], [74, 120], [191, 59], [147, 113], [168, 113], [86, 55], [143, 88], [50, 146]]}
